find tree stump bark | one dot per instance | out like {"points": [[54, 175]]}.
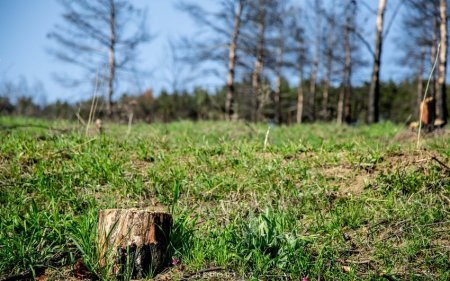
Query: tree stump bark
{"points": [[133, 242]]}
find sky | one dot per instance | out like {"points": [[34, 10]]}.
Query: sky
{"points": [[24, 25]]}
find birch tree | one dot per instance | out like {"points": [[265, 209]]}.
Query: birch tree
{"points": [[219, 44], [260, 19], [420, 44], [330, 56], [441, 95], [300, 57], [316, 60], [97, 35], [374, 91], [230, 108], [344, 101]]}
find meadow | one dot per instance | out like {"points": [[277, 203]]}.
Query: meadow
{"points": [[313, 202]]}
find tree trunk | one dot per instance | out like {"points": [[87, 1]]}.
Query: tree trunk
{"points": [[326, 82], [441, 94], [313, 85], [433, 53], [278, 109], [420, 82], [316, 62], [329, 63], [374, 92], [277, 97], [133, 242], [312, 90], [347, 80], [300, 92], [230, 106], [112, 59], [259, 65], [344, 102], [340, 106], [300, 98]]}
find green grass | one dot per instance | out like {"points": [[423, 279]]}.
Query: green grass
{"points": [[328, 202]]}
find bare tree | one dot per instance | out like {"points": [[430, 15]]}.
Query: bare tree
{"points": [[219, 43], [260, 18], [318, 13], [441, 95], [100, 34], [230, 108], [374, 91], [301, 55], [344, 102], [433, 53], [422, 20], [278, 75], [418, 22], [330, 57], [278, 52], [177, 75]]}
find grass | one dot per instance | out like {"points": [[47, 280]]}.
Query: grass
{"points": [[320, 201]]}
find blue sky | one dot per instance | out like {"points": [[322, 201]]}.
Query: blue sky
{"points": [[24, 25]]}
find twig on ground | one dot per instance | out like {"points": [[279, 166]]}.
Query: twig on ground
{"points": [[441, 163]]}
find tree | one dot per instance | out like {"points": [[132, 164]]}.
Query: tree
{"points": [[344, 102], [330, 56], [299, 53], [374, 91], [260, 19], [279, 64], [230, 108], [426, 22], [277, 52], [420, 22], [100, 34], [262, 48], [221, 43], [177, 74], [316, 61], [441, 95]]}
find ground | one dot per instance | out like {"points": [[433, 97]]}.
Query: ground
{"points": [[320, 202]]}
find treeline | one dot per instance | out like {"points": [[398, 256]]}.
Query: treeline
{"points": [[281, 60], [322, 45], [395, 105]]}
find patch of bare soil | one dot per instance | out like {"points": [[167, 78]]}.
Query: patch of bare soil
{"points": [[353, 178], [406, 136], [356, 187], [350, 181], [138, 166], [403, 160], [411, 135], [212, 273], [361, 256]]}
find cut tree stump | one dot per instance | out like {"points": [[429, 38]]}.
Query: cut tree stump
{"points": [[133, 242]]}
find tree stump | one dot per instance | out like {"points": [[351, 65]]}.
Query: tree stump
{"points": [[133, 242], [427, 108]]}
